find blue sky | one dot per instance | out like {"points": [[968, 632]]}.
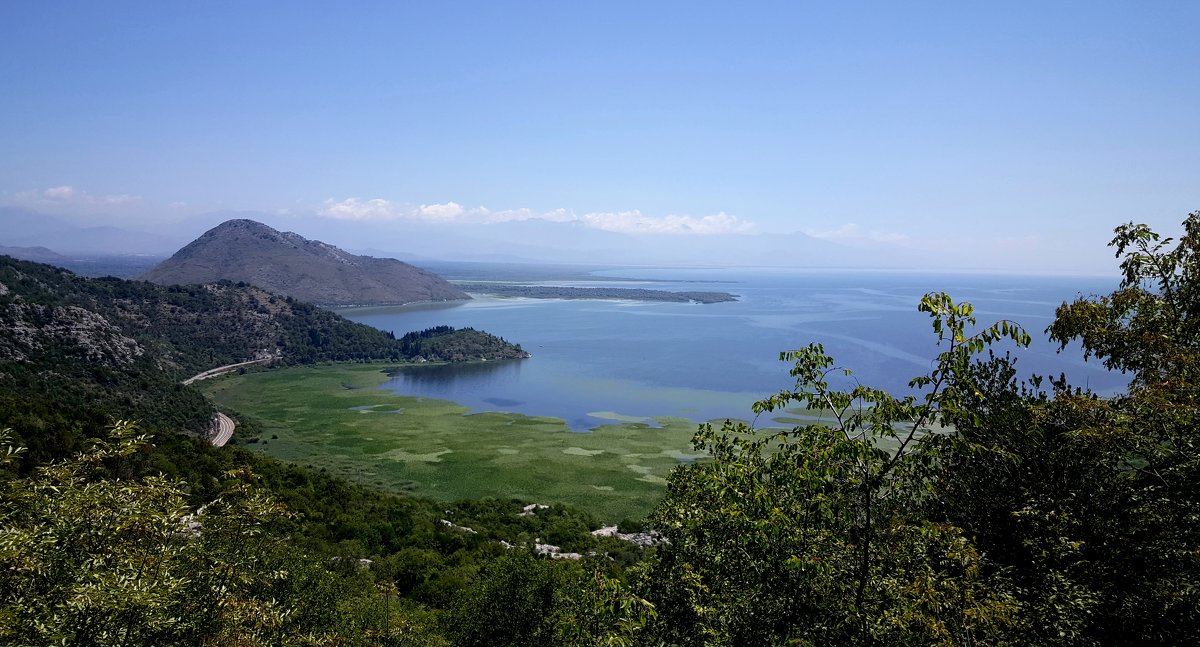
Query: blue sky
{"points": [[1020, 131]]}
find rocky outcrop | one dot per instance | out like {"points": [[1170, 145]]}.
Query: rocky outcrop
{"points": [[33, 329], [639, 539]]}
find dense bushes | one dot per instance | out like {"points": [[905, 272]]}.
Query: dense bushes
{"points": [[1037, 515]]}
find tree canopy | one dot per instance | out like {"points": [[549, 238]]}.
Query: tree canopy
{"points": [[983, 510]]}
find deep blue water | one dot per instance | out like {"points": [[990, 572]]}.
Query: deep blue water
{"points": [[644, 359]]}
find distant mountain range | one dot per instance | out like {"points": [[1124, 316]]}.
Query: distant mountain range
{"points": [[23, 228], [35, 254], [292, 265], [533, 241]]}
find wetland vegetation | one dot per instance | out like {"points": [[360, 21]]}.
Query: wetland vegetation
{"points": [[336, 418]]}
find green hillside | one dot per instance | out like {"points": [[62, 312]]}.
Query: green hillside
{"points": [[94, 350]]}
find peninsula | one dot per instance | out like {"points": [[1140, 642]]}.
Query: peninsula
{"points": [[564, 292]]}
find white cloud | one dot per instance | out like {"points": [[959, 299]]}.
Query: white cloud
{"points": [[633, 222], [851, 232], [60, 193], [559, 215], [69, 196], [507, 215], [355, 209], [441, 212]]}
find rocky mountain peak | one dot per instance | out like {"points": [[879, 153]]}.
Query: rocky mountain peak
{"points": [[289, 264]]}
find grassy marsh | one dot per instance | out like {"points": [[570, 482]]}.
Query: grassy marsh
{"points": [[336, 418]]}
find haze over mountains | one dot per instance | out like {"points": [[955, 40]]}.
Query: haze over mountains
{"points": [[25, 228], [537, 240], [290, 264], [527, 241], [35, 254]]}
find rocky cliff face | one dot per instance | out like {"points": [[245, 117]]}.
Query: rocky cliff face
{"points": [[32, 330], [309, 270]]}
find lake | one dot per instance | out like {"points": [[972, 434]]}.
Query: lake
{"points": [[597, 361]]}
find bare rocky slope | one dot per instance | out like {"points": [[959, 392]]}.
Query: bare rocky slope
{"points": [[291, 265]]}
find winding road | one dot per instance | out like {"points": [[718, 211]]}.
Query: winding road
{"points": [[221, 370], [221, 429]]}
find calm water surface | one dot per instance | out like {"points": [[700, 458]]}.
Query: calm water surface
{"points": [[596, 360]]}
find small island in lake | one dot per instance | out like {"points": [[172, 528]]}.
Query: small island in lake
{"points": [[564, 292]]}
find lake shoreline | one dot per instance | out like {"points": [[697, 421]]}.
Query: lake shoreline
{"points": [[603, 293]]}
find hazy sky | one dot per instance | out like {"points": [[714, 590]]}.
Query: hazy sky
{"points": [[1018, 129]]}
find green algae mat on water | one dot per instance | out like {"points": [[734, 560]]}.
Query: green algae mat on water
{"points": [[336, 417]]}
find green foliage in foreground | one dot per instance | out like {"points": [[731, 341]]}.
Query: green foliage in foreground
{"points": [[90, 558], [523, 601], [1048, 517], [87, 559], [817, 534]]}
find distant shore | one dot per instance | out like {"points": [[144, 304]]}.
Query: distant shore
{"points": [[563, 292]]}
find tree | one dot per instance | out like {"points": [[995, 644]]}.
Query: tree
{"points": [[814, 534], [522, 600], [1150, 439], [91, 557], [1089, 505], [1150, 326], [987, 510]]}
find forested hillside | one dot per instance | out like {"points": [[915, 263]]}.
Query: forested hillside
{"points": [[95, 350], [446, 344]]}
